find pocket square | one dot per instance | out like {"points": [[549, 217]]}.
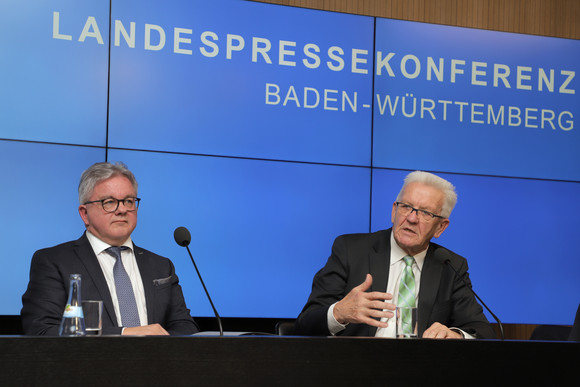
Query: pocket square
{"points": [[161, 281]]}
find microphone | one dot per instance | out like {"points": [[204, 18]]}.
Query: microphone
{"points": [[447, 261], [183, 238]]}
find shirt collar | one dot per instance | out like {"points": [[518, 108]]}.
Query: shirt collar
{"points": [[397, 253], [99, 246]]}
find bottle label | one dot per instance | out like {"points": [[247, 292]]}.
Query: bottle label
{"points": [[73, 311]]}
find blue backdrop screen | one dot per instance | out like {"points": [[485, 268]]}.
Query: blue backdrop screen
{"points": [[269, 130]]}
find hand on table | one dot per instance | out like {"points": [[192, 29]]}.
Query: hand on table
{"points": [[440, 331], [146, 330]]}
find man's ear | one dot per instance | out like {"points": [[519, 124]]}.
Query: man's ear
{"points": [[441, 227], [83, 214]]}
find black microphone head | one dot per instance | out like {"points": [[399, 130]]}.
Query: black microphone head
{"points": [[182, 236]]}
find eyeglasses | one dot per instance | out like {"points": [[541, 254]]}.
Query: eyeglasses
{"points": [[406, 210], [111, 204]]}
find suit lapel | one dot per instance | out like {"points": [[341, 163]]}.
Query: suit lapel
{"points": [[430, 278], [87, 256], [146, 272], [379, 264], [379, 269]]}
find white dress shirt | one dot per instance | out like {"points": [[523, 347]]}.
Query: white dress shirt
{"points": [[395, 274], [107, 262]]}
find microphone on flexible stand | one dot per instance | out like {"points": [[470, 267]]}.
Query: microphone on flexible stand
{"points": [[447, 261], [183, 238]]}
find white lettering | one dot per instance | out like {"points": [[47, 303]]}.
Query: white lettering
{"points": [[571, 75], [332, 51], [445, 103], [492, 117], [404, 71], [523, 77], [570, 123], [454, 69], [548, 115], [501, 71], [129, 37], [312, 98], [384, 63], [56, 28], [345, 99], [205, 36], [461, 106], [261, 46], [392, 108], [160, 31], [475, 112], [91, 30], [231, 47], [529, 117], [432, 68], [275, 93], [356, 60], [283, 52], [309, 51], [291, 96], [310, 90], [177, 39], [475, 72], [329, 99], [544, 80], [514, 113], [428, 109]]}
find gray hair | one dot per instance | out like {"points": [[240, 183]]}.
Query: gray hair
{"points": [[99, 172], [436, 182]]}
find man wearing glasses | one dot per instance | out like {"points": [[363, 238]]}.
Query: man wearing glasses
{"points": [[139, 289], [357, 291]]}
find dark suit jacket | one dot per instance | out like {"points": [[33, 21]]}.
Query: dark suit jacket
{"points": [[443, 298], [47, 293]]}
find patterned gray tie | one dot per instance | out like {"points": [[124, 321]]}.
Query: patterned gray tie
{"points": [[125, 295]]}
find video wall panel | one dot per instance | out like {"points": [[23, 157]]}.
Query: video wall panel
{"points": [[478, 102], [39, 207], [53, 71], [241, 79]]}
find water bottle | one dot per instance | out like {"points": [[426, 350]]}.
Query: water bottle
{"points": [[73, 320]]}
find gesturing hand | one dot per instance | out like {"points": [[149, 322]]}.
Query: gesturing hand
{"points": [[360, 306]]}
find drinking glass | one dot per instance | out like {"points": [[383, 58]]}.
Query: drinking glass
{"points": [[93, 312], [406, 322]]}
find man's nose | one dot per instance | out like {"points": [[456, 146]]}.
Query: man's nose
{"points": [[121, 209], [413, 217]]}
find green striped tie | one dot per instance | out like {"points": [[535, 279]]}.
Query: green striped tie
{"points": [[407, 292]]}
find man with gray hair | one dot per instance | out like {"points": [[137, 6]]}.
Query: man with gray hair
{"points": [[357, 291], [140, 291]]}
